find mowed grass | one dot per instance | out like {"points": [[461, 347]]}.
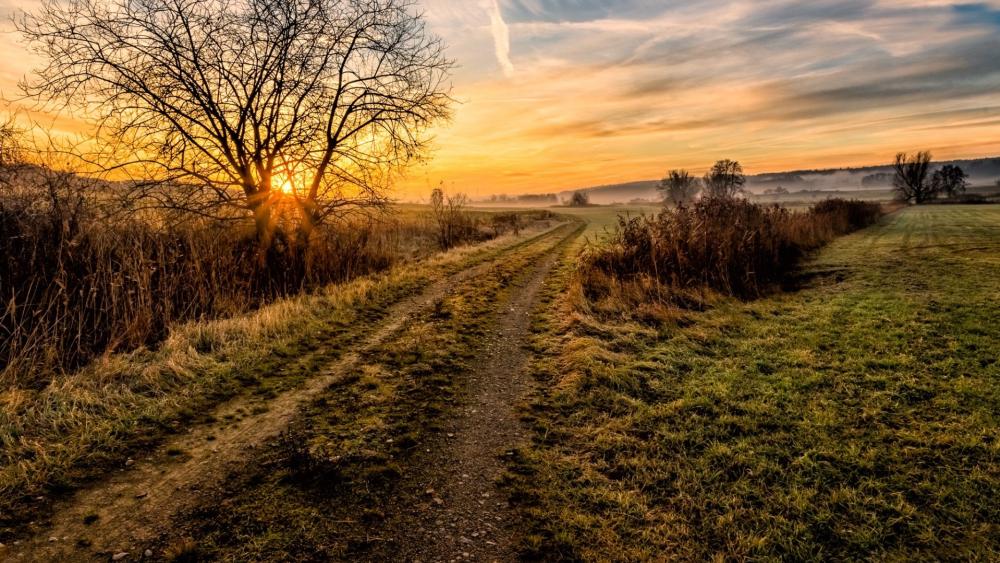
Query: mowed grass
{"points": [[857, 416]]}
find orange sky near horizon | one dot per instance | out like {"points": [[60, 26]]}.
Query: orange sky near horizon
{"points": [[557, 95]]}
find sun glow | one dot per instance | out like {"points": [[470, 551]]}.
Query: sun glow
{"points": [[286, 187]]}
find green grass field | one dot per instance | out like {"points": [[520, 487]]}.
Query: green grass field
{"points": [[601, 220], [855, 416]]}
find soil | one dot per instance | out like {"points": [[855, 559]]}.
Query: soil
{"points": [[449, 506]]}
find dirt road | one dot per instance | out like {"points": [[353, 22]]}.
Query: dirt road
{"points": [[450, 508], [119, 515]]}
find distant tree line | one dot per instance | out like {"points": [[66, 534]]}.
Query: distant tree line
{"points": [[914, 180], [877, 180], [579, 199], [524, 198]]}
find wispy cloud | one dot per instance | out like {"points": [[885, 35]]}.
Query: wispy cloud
{"points": [[613, 90], [501, 38]]}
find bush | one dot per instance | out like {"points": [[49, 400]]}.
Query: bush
{"points": [[844, 216], [455, 225], [731, 246], [503, 223]]}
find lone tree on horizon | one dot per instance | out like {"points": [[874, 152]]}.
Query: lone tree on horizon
{"points": [[910, 180], [232, 107], [725, 180], [579, 199], [679, 187]]}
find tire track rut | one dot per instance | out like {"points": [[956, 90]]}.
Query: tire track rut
{"points": [[448, 506]]}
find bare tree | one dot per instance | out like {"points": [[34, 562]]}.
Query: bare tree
{"points": [[679, 187], [252, 105], [725, 179], [579, 199], [11, 143], [910, 181], [950, 179]]}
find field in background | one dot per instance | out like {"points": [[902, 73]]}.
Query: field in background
{"points": [[801, 199], [854, 416], [599, 219], [851, 416]]}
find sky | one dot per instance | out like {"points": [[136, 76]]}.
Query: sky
{"points": [[559, 94]]}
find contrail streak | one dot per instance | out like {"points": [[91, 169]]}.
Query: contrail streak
{"points": [[501, 38]]}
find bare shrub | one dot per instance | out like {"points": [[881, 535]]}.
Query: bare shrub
{"points": [[11, 143], [503, 223], [455, 225]]}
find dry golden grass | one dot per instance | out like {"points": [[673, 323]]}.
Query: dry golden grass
{"points": [[82, 277], [57, 432]]}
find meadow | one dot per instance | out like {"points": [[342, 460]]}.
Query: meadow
{"points": [[224, 338], [844, 408], [851, 416], [798, 199]]}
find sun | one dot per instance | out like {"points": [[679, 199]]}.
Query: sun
{"points": [[286, 187]]}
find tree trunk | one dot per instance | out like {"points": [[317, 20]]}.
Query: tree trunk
{"points": [[260, 205]]}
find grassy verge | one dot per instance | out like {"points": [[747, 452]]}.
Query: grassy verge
{"points": [[853, 418], [317, 493], [81, 424]]}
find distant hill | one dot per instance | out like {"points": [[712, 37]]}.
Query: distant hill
{"points": [[980, 171]]}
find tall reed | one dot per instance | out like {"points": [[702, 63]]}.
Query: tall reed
{"points": [[730, 246], [78, 279]]}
